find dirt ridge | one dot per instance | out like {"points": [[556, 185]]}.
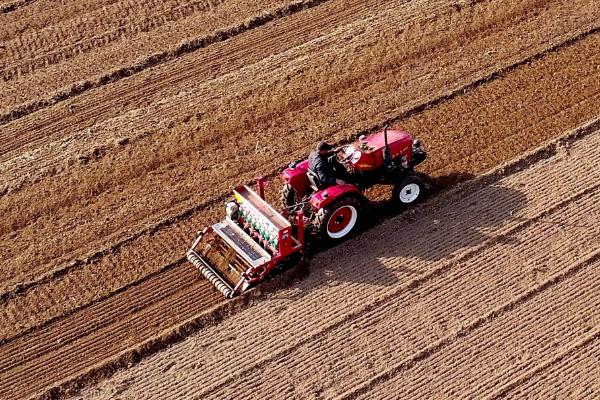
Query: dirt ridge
{"points": [[565, 373], [154, 60], [32, 53], [61, 270], [415, 283], [502, 391], [365, 387], [9, 339], [14, 5]]}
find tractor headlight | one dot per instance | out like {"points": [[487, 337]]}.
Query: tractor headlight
{"points": [[231, 210]]}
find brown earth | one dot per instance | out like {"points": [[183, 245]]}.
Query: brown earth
{"points": [[563, 377], [478, 294], [47, 53], [102, 193], [7, 6], [147, 254], [48, 235], [94, 322]]}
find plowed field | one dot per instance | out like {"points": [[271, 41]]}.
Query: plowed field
{"points": [[124, 124], [499, 287]]}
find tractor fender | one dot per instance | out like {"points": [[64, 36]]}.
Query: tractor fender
{"points": [[326, 196], [296, 176]]}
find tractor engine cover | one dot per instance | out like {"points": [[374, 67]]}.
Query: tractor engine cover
{"points": [[369, 150]]}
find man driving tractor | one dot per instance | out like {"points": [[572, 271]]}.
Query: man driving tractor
{"points": [[320, 162]]}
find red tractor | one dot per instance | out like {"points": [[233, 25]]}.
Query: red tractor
{"points": [[334, 212], [254, 238]]}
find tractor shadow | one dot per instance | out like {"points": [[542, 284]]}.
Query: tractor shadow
{"points": [[396, 244]]}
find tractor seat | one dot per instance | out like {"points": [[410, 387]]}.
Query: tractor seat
{"points": [[315, 182]]}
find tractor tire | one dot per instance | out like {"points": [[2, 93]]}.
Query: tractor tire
{"points": [[410, 191], [339, 220], [289, 196]]}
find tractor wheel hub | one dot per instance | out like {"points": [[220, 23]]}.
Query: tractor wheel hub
{"points": [[409, 193], [342, 221]]}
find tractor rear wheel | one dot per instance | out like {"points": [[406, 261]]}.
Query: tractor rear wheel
{"points": [[409, 191], [289, 196], [340, 219]]}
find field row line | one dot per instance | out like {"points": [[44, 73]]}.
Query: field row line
{"points": [[408, 362], [411, 285], [555, 311], [118, 235], [153, 60], [180, 73], [14, 5], [20, 48], [565, 372], [48, 125], [220, 310], [527, 375], [108, 343], [63, 269], [376, 320], [8, 342]]}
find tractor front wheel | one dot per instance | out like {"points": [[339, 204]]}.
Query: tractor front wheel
{"points": [[408, 192], [340, 219]]}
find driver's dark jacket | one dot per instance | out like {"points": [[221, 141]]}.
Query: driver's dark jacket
{"points": [[322, 167]]}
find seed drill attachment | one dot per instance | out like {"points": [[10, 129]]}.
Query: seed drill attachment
{"points": [[241, 250]]}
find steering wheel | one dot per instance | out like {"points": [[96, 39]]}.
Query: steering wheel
{"points": [[344, 154]]}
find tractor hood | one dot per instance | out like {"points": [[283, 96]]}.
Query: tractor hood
{"points": [[369, 149], [376, 141]]}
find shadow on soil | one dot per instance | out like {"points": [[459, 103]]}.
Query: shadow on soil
{"points": [[432, 232]]}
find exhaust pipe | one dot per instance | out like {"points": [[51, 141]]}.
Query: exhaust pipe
{"points": [[387, 155]]}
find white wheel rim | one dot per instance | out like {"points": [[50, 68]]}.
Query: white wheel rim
{"points": [[350, 224], [409, 193]]}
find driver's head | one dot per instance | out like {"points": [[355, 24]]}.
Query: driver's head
{"points": [[324, 148]]}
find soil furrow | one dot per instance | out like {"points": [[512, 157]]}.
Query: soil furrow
{"points": [[35, 19], [592, 339], [450, 279], [553, 313], [11, 6], [150, 260], [97, 315], [341, 284], [133, 93], [56, 43], [572, 374], [139, 321], [122, 224], [360, 267], [188, 46]]}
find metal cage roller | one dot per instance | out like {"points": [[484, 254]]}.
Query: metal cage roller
{"points": [[210, 275]]}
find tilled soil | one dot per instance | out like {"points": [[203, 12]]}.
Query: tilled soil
{"points": [[147, 253], [46, 54], [103, 194], [563, 376], [50, 234], [479, 294]]}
